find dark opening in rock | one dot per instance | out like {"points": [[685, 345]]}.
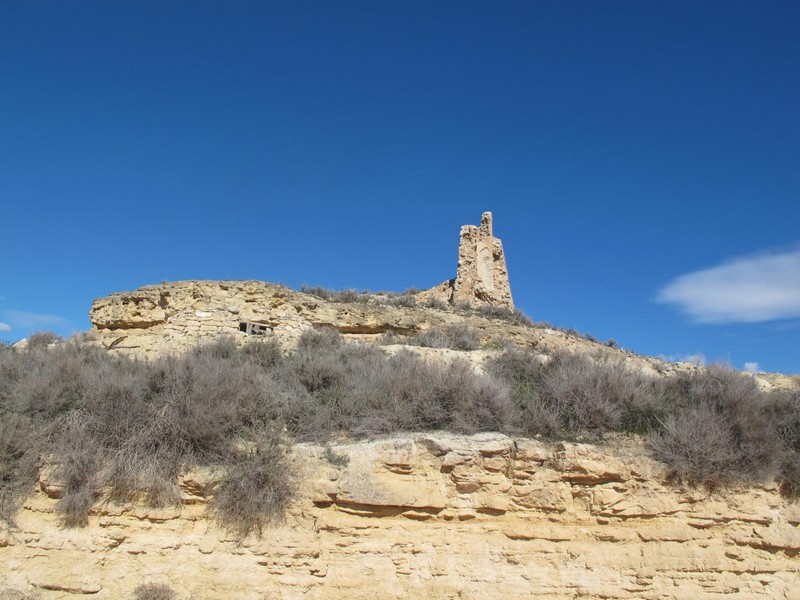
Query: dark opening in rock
{"points": [[254, 328]]}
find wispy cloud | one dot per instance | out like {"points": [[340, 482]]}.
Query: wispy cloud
{"points": [[20, 319], [5, 327], [698, 358], [750, 289], [752, 367]]}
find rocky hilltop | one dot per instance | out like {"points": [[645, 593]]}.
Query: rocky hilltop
{"points": [[419, 515], [175, 316]]}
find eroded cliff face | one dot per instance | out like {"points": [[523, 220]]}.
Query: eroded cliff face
{"points": [[173, 317], [433, 516]]}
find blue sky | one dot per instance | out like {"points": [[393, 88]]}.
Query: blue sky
{"points": [[642, 160]]}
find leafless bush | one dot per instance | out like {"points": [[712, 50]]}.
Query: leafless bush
{"points": [[363, 392], [154, 591], [512, 315], [578, 394], [266, 354], [254, 489], [42, 339], [435, 303], [727, 433], [517, 365], [420, 396], [318, 360], [455, 337], [407, 299], [129, 428], [334, 295], [787, 416]]}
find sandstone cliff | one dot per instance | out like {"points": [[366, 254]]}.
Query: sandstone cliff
{"points": [[433, 516]]}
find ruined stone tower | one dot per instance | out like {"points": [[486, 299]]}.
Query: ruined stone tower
{"points": [[482, 276]]}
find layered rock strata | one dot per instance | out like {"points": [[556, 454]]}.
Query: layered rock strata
{"points": [[432, 516], [174, 316]]}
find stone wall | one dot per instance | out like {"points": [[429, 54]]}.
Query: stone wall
{"points": [[433, 516], [481, 276]]}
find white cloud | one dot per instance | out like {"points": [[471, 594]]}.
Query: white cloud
{"points": [[26, 320], [698, 358], [5, 327], [743, 290], [752, 367]]}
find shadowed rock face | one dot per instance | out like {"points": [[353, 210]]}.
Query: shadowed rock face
{"points": [[482, 276]]}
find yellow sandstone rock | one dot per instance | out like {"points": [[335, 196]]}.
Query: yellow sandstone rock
{"points": [[433, 516]]}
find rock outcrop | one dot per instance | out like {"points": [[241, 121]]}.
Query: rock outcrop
{"points": [[482, 276], [174, 316], [432, 516]]}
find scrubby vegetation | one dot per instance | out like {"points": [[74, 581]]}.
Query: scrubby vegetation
{"points": [[455, 337], [714, 426], [348, 295], [125, 429], [154, 591], [409, 299]]}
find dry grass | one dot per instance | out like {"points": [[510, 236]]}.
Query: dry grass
{"points": [[128, 428]]}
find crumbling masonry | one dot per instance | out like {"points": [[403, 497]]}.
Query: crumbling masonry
{"points": [[482, 276]]}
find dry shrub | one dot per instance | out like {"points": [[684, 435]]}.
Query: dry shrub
{"points": [[154, 591], [42, 339], [571, 395], [787, 417], [128, 428], [435, 303], [356, 389], [714, 427], [333, 295], [511, 315], [455, 337], [407, 298], [253, 490], [727, 433]]}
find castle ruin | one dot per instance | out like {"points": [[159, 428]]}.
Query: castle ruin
{"points": [[481, 276]]}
